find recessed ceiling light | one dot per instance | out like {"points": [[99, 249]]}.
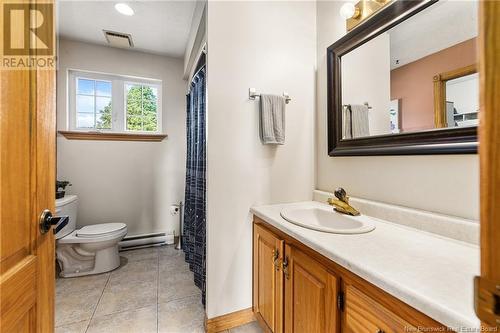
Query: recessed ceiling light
{"points": [[124, 9]]}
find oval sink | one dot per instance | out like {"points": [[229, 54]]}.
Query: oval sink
{"points": [[327, 220]]}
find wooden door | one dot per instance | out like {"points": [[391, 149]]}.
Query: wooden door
{"points": [[310, 294], [487, 285], [27, 176], [267, 278]]}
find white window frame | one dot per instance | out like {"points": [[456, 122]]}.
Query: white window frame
{"points": [[95, 100], [118, 100], [139, 83]]}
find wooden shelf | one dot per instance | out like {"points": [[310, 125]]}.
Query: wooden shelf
{"points": [[106, 136]]}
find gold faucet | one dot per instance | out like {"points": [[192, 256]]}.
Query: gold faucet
{"points": [[341, 204]]}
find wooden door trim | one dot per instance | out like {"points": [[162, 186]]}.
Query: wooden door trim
{"points": [[489, 139], [440, 119]]}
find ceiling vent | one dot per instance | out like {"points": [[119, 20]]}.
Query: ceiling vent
{"points": [[118, 39]]}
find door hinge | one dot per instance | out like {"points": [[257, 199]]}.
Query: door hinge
{"points": [[487, 300], [340, 300]]}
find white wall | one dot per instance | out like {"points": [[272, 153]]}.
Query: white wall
{"points": [[464, 93], [197, 37], [269, 46], [366, 78], [130, 182], [446, 184]]}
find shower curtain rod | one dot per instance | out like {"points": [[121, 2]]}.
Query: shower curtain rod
{"points": [[198, 66]]}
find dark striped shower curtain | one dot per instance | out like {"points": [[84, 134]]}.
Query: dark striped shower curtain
{"points": [[195, 194]]}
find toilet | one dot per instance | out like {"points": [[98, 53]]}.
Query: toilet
{"points": [[93, 249]]}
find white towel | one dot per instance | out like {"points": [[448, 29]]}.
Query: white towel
{"points": [[272, 119], [355, 122]]}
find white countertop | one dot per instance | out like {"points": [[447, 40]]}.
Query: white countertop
{"points": [[429, 272]]}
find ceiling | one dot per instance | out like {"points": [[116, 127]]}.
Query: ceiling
{"points": [[438, 27], [160, 27]]}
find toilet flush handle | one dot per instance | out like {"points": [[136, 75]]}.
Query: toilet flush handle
{"points": [[46, 220]]}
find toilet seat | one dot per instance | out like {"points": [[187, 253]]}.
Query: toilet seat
{"points": [[95, 233], [100, 230]]}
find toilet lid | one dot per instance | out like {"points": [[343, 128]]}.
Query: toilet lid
{"points": [[98, 230]]}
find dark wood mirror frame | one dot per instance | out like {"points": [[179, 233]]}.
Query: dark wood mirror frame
{"points": [[436, 141]]}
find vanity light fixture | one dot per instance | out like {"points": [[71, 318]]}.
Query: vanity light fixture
{"points": [[124, 9], [357, 13], [349, 10]]}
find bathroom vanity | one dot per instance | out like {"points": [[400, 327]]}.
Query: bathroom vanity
{"points": [[393, 279]]}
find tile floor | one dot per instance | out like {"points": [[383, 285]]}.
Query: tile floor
{"points": [[152, 291]]}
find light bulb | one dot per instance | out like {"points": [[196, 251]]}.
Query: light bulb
{"points": [[124, 9], [347, 10]]}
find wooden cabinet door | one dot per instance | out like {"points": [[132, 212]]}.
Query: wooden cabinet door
{"points": [[267, 278], [27, 178], [363, 314], [310, 294]]}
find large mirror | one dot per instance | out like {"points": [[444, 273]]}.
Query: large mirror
{"points": [[406, 82]]}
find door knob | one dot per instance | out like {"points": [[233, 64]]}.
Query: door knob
{"points": [[47, 220]]}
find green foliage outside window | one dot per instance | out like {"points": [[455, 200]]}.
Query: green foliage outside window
{"points": [[141, 108], [104, 121]]}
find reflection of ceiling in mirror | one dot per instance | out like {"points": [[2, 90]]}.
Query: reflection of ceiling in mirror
{"points": [[440, 26]]}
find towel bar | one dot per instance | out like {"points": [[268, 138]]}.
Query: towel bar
{"points": [[252, 94], [365, 103]]}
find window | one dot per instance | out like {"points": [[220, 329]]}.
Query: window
{"points": [[113, 103], [142, 106], [93, 104]]}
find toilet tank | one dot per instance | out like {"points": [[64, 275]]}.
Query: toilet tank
{"points": [[67, 206]]}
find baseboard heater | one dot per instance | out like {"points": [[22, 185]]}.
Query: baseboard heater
{"points": [[146, 240]]}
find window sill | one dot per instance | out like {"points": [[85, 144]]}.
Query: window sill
{"points": [[103, 136]]}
